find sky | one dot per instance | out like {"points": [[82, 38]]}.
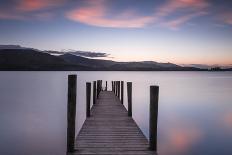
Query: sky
{"points": [[176, 31]]}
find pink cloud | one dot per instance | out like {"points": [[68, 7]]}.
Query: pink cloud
{"points": [[227, 119], [35, 5], [226, 17], [11, 16], [176, 23], [172, 6], [44, 16], [95, 13], [19, 10], [194, 7]]}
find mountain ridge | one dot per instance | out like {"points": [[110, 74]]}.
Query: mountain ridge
{"points": [[28, 59]]}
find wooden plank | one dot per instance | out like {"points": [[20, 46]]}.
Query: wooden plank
{"points": [[109, 130]]}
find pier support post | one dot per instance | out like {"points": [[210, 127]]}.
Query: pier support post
{"points": [[106, 86], [98, 88], [154, 96], [94, 92], [116, 88], [112, 86], [88, 95], [71, 112], [129, 94], [122, 91], [119, 90]]}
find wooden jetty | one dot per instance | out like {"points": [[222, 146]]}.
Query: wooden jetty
{"points": [[109, 128]]}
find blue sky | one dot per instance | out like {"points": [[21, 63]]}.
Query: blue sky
{"points": [[177, 31]]}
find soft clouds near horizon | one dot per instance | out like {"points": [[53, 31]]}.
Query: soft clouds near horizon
{"points": [[168, 13], [177, 31]]}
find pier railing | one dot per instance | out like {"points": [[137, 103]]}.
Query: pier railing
{"points": [[118, 90]]}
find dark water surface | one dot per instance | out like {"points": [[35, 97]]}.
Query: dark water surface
{"points": [[195, 110]]}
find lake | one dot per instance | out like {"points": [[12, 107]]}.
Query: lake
{"points": [[195, 110]]}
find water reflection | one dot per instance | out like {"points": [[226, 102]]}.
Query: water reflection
{"points": [[195, 111]]}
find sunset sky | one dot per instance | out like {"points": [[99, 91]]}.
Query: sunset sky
{"points": [[177, 31]]}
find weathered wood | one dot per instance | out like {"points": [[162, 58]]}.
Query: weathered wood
{"points": [[94, 92], [122, 91], [71, 112], [106, 86], [98, 85], [88, 95], [119, 90], [116, 89], [110, 131], [129, 95], [154, 97], [112, 85]]}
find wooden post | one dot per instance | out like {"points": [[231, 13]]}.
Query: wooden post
{"points": [[119, 90], [88, 95], [106, 86], [98, 88], [154, 97], [71, 112], [112, 86], [100, 85], [122, 91], [94, 92], [116, 89], [116, 82], [129, 94]]}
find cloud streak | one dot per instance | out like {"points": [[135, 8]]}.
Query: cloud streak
{"points": [[35, 5], [176, 23], [226, 17], [80, 53], [30, 9], [191, 9], [95, 13]]}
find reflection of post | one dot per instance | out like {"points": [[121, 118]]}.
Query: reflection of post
{"points": [[88, 94], [154, 96], [122, 91], [94, 92], [129, 95], [71, 115]]}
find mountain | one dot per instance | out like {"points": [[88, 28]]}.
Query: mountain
{"points": [[12, 47], [93, 63], [97, 64], [31, 59]]}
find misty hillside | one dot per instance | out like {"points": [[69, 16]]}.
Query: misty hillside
{"points": [[28, 59], [31, 59]]}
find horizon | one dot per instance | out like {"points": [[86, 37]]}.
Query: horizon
{"points": [[175, 31]]}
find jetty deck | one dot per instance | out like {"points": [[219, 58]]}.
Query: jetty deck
{"points": [[109, 130]]}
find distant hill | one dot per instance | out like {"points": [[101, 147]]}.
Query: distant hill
{"points": [[29, 59], [93, 63], [18, 59], [97, 64]]}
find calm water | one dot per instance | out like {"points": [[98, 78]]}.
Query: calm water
{"points": [[195, 110]]}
